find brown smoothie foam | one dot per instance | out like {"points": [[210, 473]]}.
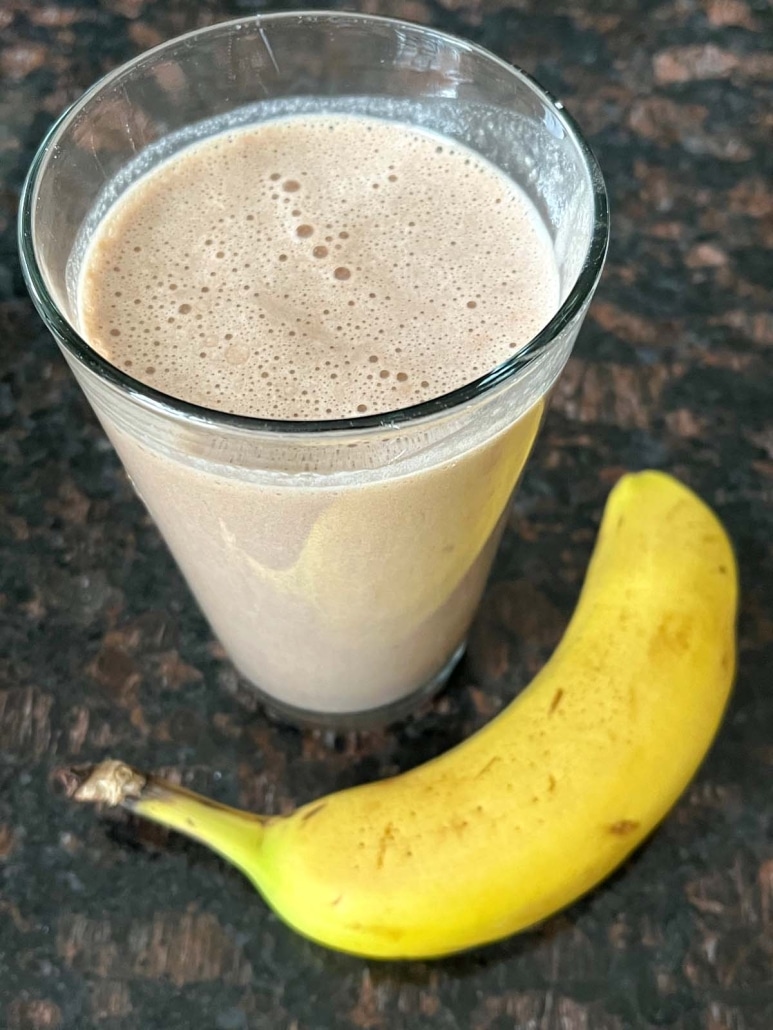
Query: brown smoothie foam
{"points": [[322, 267], [317, 267]]}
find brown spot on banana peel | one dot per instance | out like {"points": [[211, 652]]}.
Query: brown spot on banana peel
{"points": [[557, 697], [491, 762], [673, 634], [623, 827], [387, 837]]}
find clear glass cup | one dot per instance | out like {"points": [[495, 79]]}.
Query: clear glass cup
{"points": [[339, 562]]}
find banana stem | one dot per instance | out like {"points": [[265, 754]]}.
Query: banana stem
{"points": [[234, 834]]}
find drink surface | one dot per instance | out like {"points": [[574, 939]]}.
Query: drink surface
{"points": [[317, 266]]}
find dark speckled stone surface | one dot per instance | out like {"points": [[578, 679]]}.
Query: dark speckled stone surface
{"points": [[108, 923]]}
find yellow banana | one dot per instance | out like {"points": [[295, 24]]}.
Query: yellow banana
{"points": [[543, 802]]}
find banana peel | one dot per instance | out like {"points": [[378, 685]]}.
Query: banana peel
{"points": [[541, 804]]}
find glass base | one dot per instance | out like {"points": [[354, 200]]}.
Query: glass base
{"points": [[370, 718]]}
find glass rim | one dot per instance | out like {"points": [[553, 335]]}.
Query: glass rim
{"points": [[150, 397]]}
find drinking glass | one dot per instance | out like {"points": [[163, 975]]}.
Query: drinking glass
{"points": [[339, 562]]}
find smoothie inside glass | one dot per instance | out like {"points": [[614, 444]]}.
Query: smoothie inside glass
{"points": [[317, 274]]}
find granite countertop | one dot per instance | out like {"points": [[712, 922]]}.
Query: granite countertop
{"points": [[111, 923]]}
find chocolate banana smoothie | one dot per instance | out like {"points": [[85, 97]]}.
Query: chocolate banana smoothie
{"points": [[311, 268]]}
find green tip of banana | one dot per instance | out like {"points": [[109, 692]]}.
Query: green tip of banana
{"points": [[541, 804]]}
